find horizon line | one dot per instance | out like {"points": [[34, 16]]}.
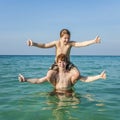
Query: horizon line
{"points": [[50, 55]]}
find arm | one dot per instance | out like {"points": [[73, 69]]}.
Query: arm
{"points": [[85, 43], [33, 81], [41, 45], [93, 78]]}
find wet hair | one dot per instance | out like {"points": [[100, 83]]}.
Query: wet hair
{"points": [[64, 31], [61, 57]]}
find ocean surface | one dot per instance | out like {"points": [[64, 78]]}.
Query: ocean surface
{"points": [[98, 100]]}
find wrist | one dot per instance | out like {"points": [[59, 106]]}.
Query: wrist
{"points": [[95, 41], [25, 80], [33, 44], [100, 76]]}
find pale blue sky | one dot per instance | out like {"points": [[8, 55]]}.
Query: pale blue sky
{"points": [[42, 20]]}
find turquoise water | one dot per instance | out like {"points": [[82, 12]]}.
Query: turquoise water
{"points": [[97, 100]]}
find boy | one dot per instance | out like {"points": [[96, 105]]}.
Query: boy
{"points": [[64, 45], [63, 79]]}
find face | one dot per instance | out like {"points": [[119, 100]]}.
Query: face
{"points": [[61, 64], [65, 39]]}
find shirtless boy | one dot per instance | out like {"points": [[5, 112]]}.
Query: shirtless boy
{"points": [[63, 79], [64, 45]]}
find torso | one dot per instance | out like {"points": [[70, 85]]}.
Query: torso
{"points": [[64, 49], [62, 81]]}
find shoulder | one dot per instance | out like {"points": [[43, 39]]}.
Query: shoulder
{"points": [[55, 41], [72, 43]]}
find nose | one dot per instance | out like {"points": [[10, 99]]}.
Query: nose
{"points": [[66, 40], [62, 63]]}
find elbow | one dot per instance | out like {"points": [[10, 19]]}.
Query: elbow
{"points": [[35, 82], [83, 81], [86, 81], [43, 46]]}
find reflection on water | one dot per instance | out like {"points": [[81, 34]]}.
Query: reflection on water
{"points": [[93, 101], [63, 103], [58, 106], [65, 99], [64, 106]]}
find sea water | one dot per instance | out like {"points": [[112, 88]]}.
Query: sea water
{"points": [[98, 100]]}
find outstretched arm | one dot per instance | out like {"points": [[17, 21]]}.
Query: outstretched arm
{"points": [[93, 78], [86, 43], [41, 45], [34, 80]]}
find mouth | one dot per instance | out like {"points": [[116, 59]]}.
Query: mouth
{"points": [[65, 42], [62, 66]]}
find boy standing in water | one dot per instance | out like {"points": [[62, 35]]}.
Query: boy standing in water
{"points": [[63, 46], [63, 80]]}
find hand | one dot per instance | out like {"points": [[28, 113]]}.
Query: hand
{"points": [[97, 39], [21, 78], [30, 43], [103, 75]]}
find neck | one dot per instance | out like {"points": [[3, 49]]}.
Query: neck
{"points": [[62, 70], [62, 43]]}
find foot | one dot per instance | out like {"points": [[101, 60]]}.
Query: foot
{"points": [[21, 78], [103, 75]]}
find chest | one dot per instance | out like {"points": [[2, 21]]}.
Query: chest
{"points": [[63, 79], [62, 48]]}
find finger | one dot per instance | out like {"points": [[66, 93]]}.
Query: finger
{"points": [[97, 36], [103, 71], [103, 74], [21, 78], [98, 39], [30, 42]]}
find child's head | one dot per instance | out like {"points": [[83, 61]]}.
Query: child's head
{"points": [[64, 31], [65, 35]]}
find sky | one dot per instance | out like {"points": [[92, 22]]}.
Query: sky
{"points": [[42, 20]]}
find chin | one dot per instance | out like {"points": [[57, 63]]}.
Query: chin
{"points": [[65, 43]]}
